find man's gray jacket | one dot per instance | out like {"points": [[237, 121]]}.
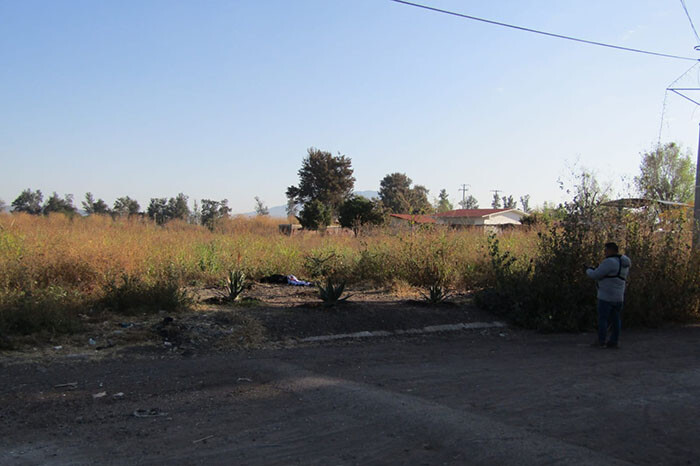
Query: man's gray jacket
{"points": [[611, 276]]}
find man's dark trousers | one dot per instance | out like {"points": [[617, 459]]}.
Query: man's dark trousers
{"points": [[609, 313]]}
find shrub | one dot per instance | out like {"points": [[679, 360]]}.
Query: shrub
{"points": [[131, 294], [432, 266], [552, 293], [664, 285], [51, 309]]}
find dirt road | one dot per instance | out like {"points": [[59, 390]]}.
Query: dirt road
{"points": [[466, 398]]}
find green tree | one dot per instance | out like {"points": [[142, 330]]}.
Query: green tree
{"points": [[496, 201], [666, 174], [469, 202], [419, 200], [126, 206], [260, 207], [163, 210], [358, 212], [315, 215], [509, 202], [58, 204], [398, 197], [177, 208], [213, 211], [90, 206], [525, 203], [443, 203], [28, 201], [158, 210], [324, 178], [395, 193]]}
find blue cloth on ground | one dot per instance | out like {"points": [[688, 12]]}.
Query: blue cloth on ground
{"points": [[292, 280]]}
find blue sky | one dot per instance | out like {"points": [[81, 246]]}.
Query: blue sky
{"points": [[221, 99]]}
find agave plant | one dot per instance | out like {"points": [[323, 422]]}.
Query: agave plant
{"points": [[235, 284], [332, 293], [437, 293]]}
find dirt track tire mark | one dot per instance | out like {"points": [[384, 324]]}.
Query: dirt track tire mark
{"points": [[390, 428]]}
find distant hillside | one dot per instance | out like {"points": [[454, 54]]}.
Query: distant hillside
{"points": [[280, 211], [367, 194]]}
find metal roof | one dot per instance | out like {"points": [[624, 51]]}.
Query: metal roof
{"points": [[638, 202]]}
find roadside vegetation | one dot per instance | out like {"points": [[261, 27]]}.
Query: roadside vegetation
{"points": [[57, 267], [54, 268], [549, 291]]}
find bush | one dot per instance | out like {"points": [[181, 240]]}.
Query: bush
{"points": [[665, 281], [552, 293], [51, 309], [432, 266], [131, 295], [315, 215]]}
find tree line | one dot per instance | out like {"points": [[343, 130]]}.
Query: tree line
{"points": [[160, 209], [325, 193]]}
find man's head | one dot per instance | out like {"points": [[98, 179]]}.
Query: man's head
{"points": [[611, 249]]}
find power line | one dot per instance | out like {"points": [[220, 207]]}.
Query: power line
{"points": [[690, 20], [669, 89], [544, 33]]}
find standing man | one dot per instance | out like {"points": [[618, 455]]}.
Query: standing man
{"points": [[611, 276]]}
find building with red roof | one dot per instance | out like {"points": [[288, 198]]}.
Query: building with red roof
{"points": [[480, 217]]}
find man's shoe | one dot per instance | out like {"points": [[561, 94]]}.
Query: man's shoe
{"points": [[611, 345], [597, 344]]}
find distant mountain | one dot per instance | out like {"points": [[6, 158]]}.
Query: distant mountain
{"points": [[280, 211], [276, 211], [367, 194]]}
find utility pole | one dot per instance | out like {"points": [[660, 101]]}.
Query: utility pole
{"points": [[464, 189], [696, 209]]}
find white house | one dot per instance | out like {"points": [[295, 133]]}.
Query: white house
{"points": [[480, 217]]}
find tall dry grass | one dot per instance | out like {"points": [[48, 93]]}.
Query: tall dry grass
{"points": [[60, 265], [54, 268]]}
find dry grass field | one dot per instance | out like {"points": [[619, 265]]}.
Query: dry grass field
{"points": [[58, 272], [54, 268]]}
